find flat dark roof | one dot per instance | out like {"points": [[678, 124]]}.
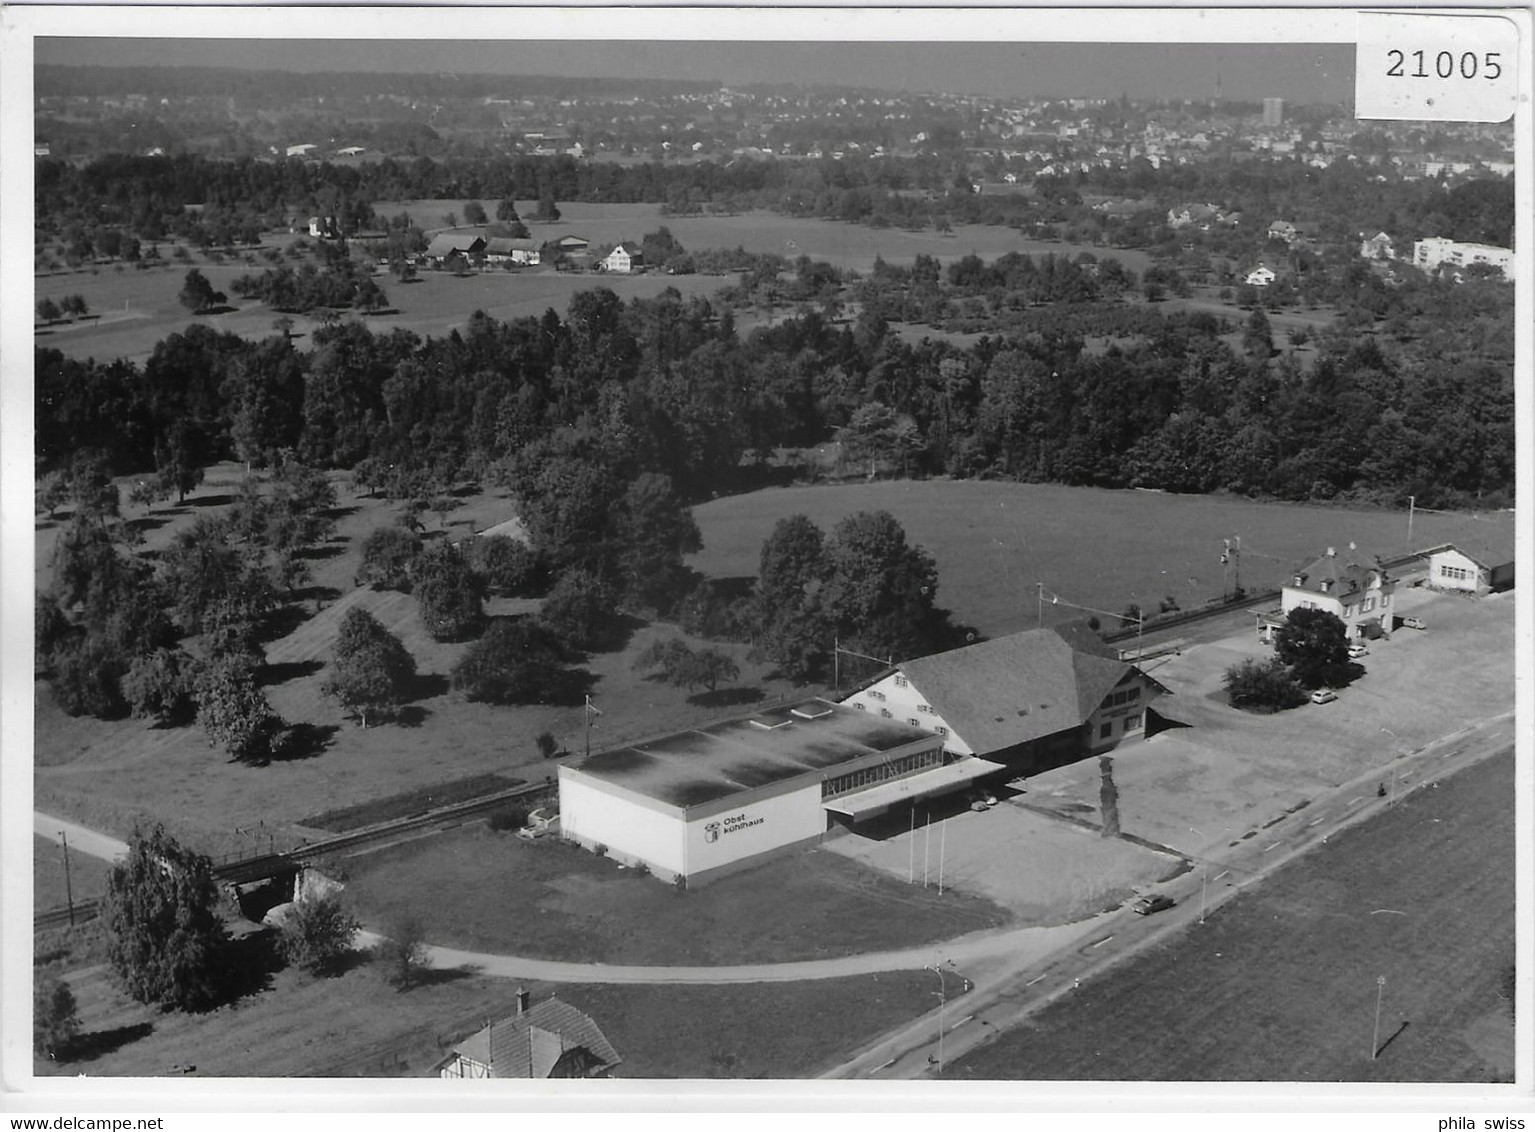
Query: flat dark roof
{"points": [[772, 745]]}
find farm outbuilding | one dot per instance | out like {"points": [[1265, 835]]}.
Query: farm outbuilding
{"points": [[702, 803]]}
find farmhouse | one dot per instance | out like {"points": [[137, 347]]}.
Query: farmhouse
{"points": [[1030, 701], [1260, 276], [509, 249], [1356, 590], [702, 803], [552, 1039], [1480, 567], [1378, 246], [624, 259], [446, 244]]}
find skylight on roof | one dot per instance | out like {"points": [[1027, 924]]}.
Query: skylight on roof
{"points": [[769, 724], [804, 714]]}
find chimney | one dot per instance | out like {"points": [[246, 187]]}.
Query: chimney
{"points": [[522, 1000], [1351, 545], [1332, 552]]}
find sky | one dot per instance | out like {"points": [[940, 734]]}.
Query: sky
{"points": [[1297, 72]]}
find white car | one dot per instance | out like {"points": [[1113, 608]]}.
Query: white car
{"points": [[1413, 623], [1357, 651], [1323, 696]]}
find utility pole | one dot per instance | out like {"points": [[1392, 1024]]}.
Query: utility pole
{"points": [[836, 663], [589, 711], [1412, 505], [69, 888], [942, 993], [943, 833], [1380, 990]]}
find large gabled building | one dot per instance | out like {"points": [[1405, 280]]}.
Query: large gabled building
{"points": [[1029, 701], [1355, 588]]}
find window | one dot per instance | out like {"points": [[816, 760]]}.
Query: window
{"points": [[876, 694], [1385, 600], [1132, 721], [860, 705], [943, 731], [913, 722], [924, 709], [885, 713], [1106, 730], [900, 681], [1135, 694]]}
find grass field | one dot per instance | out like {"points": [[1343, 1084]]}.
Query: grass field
{"points": [[1095, 547], [551, 899], [355, 1025], [1281, 984], [87, 875], [852, 246]]}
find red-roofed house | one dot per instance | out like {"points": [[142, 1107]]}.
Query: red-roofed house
{"points": [[1032, 700], [552, 1039]]}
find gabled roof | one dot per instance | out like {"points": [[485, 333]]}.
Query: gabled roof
{"points": [[1011, 690], [631, 250], [1489, 551], [1349, 572], [501, 245], [531, 1044], [445, 244]]}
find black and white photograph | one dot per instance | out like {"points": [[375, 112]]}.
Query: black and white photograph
{"points": [[919, 552]]}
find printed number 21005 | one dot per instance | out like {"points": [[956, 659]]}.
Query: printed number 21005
{"points": [[1444, 65]]}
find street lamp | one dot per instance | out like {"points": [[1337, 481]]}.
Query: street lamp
{"points": [[1391, 766], [942, 993], [1380, 990], [1204, 882]]}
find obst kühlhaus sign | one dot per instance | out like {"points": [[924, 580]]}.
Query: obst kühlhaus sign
{"points": [[735, 823]]}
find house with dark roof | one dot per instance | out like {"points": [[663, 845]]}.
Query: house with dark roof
{"points": [[444, 245], [1352, 586], [552, 1039], [1030, 701], [511, 249]]}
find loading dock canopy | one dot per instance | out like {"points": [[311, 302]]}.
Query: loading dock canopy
{"points": [[876, 800]]}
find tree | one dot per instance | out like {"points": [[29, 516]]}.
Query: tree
{"points": [[198, 295], [234, 712], [880, 591], [548, 211], [792, 632], [373, 670], [402, 953], [1263, 686], [165, 941], [1257, 336], [653, 530], [158, 686], [451, 594], [48, 311], [474, 213], [87, 676], [515, 662], [682, 667], [508, 566], [581, 609], [1314, 644], [387, 553], [1131, 616], [74, 306], [318, 933], [55, 1017], [179, 458]]}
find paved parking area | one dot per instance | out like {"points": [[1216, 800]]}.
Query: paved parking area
{"points": [[1045, 869], [1196, 788]]}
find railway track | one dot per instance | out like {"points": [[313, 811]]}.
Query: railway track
{"points": [[85, 910]]}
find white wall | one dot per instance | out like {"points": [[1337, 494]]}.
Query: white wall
{"points": [[1471, 582], [754, 828], [630, 831], [906, 704]]}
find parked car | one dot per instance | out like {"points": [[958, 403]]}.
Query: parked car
{"points": [[1323, 696], [1357, 651], [1147, 905], [1413, 623]]}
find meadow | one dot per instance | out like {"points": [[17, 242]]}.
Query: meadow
{"points": [[853, 246], [1281, 984], [354, 1025], [996, 542]]}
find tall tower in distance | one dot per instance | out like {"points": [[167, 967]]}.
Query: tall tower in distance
{"points": [[1273, 111]]}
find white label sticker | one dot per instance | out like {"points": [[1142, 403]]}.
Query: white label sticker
{"points": [[1431, 67]]}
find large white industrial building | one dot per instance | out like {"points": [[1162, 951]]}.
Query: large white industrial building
{"points": [[698, 804]]}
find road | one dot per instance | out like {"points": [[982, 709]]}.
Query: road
{"points": [[81, 839], [1004, 995]]}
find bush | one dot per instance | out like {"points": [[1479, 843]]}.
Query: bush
{"points": [[1263, 686], [55, 1022], [547, 745], [318, 934], [158, 686], [402, 954]]}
